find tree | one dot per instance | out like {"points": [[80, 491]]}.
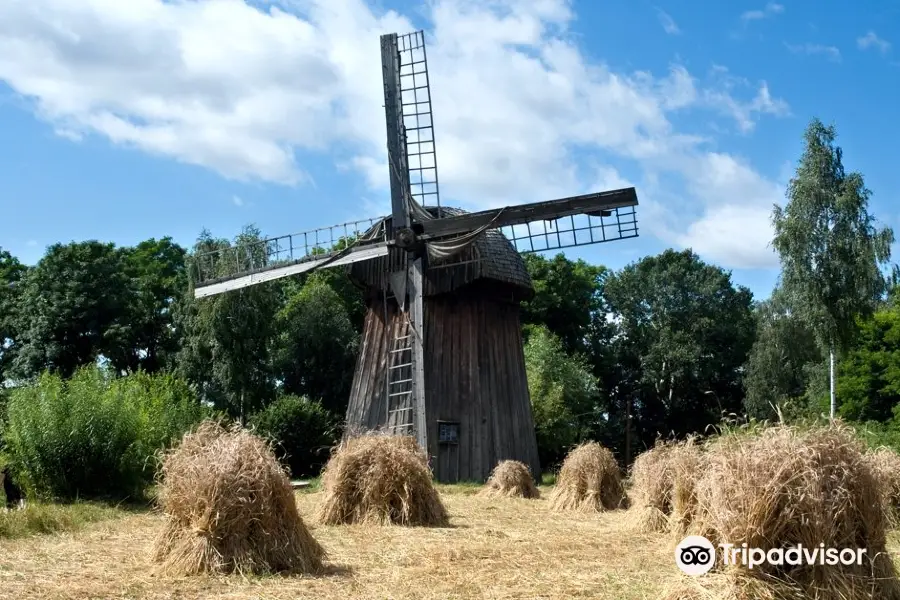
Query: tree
{"points": [[71, 309], [11, 273], [776, 371], [226, 338], [684, 333], [302, 430], [157, 275], [565, 398], [869, 382], [831, 253], [568, 299], [315, 346]]}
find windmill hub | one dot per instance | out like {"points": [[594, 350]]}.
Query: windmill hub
{"points": [[405, 237]]}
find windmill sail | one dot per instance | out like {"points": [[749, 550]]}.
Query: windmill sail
{"points": [[245, 264]]}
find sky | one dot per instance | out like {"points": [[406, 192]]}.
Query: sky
{"points": [[123, 121]]}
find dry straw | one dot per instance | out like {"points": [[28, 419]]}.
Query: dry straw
{"points": [[786, 487], [229, 507], [885, 464], [510, 479], [589, 481], [687, 462], [383, 480], [662, 487]]}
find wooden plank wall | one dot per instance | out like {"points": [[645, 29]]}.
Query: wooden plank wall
{"points": [[474, 375], [367, 408]]}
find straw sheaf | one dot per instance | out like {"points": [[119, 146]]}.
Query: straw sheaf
{"points": [[661, 487], [230, 507], [885, 464], [510, 479], [589, 481], [787, 487], [380, 479]]}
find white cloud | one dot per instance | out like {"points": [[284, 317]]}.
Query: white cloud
{"points": [[237, 200], [745, 112], [668, 23], [830, 52], [871, 40], [236, 89], [770, 10]]}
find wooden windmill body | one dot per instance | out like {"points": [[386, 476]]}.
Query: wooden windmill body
{"points": [[441, 354], [476, 391]]}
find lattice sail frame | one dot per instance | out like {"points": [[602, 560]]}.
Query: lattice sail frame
{"points": [[321, 247], [418, 119], [573, 231], [298, 252]]}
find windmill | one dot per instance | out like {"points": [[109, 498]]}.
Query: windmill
{"points": [[441, 355]]}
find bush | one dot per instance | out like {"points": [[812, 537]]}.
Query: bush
{"points": [[94, 435], [302, 431]]}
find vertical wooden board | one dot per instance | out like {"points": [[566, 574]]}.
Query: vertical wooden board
{"points": [[515, 441], [482, 416], [488, 370], [418, 368], [504, 418]]}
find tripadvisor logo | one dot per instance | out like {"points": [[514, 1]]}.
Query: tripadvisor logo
{"points": [[695, 555]]}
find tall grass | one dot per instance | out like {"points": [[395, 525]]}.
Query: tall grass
{"points": [[37, 518], [94, 435]]}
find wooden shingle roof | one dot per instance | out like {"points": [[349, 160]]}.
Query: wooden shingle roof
{"points": [[491, 257]]}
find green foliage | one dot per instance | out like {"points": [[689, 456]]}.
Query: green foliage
{"points": [[70, 309], [877, 434], [684, 334], [157, 275], [831, 253], [38, 518], [568, 299], [11, 273], [564, 395], [868, 380], [316, 345], [302, 430], [94, 435], [87, 300], [776, 370], [226, 338]]}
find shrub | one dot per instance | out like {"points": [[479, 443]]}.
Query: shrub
{"points": [[302, 431], [94, 435]]}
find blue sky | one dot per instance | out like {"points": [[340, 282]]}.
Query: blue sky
{"points": [[125, 121]]}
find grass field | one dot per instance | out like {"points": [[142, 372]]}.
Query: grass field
{"points": [[493, 549]]}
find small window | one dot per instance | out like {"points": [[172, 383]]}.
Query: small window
{"points": [[448, 432]]}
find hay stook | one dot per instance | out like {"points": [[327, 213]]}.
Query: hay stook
{"points": [[229, 507], [589, 481], [885, 465], [380, 479], [787, 487], [510, 479]]}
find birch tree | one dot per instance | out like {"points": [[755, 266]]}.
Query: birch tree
{"points": [[831, 251]]}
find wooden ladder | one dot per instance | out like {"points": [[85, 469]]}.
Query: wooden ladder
{"points": [[401, 410]]}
